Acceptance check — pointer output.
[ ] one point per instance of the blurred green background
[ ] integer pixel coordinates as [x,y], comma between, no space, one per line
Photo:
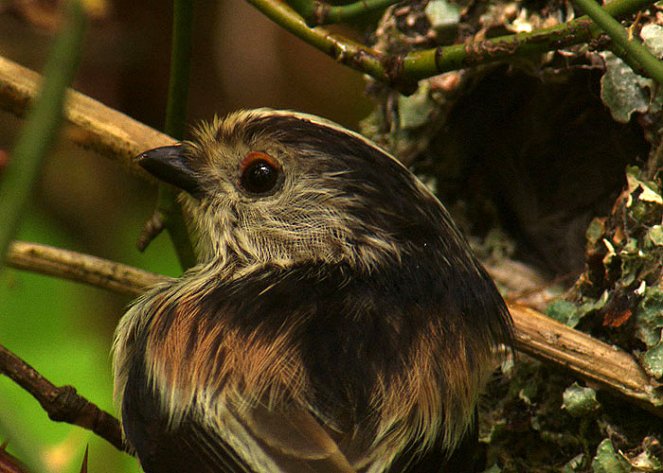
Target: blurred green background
[86,203]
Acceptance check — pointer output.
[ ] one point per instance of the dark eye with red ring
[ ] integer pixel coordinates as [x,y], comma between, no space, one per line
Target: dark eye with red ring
[259,173]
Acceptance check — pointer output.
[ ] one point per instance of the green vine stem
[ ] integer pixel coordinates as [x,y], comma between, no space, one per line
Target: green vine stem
[317,12]
[180,68]
[403,72]
[626,48]
[342,49]
[422,64]
[169,213]
[42,126]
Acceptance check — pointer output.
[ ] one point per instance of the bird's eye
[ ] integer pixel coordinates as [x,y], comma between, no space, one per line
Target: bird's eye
[259,173]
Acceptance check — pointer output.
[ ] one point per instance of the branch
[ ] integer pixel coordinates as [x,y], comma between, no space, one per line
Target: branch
[536,334]
[627,48]
[421,64]
[62,404]
[79,267]
[10,464]
[96,126]
[318,12]
[404,71]
[340,48]
[586,357]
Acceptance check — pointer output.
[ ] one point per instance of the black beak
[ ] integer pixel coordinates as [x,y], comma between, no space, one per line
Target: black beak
[171,165]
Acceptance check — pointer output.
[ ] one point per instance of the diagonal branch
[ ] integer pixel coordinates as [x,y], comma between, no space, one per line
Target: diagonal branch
[95,126]
[537,335]
[10,464]
[62,404]
[586,357]
[404,71]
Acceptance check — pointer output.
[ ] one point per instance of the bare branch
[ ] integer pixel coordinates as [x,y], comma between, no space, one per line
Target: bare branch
[96,126]
[80,267]
[62,404]
[537,335]
[10,464]
[586,357]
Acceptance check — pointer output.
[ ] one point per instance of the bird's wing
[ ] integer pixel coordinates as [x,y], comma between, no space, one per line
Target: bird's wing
[290,441]
[247,440]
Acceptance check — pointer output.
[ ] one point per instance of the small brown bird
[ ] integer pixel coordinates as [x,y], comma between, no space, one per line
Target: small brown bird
[336,321]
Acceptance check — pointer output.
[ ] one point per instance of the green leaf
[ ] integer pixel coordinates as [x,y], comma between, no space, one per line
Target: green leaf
[579,401]
[648,192]
[442,13]
[575,464]
[652,360]
[414,111]
[609,461]
[564,311]
[622,90]
[652,36]
[649,317]
[595,231]
[655,235]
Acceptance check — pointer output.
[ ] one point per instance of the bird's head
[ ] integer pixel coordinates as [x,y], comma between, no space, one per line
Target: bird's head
[285,188]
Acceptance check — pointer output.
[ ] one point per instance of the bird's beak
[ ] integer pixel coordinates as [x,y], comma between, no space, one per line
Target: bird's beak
[170,164]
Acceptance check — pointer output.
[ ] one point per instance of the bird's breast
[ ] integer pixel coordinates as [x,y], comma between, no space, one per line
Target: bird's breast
[371,360]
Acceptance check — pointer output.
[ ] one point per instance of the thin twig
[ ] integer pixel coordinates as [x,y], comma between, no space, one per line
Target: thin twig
[9,463]
[536,334]
[62,404]
[79,267]
[404,71]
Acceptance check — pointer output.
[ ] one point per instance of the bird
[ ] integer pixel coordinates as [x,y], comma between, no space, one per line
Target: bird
[336,319]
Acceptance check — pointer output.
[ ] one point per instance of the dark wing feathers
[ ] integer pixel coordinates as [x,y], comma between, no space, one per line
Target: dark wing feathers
[292,442]
[295,441]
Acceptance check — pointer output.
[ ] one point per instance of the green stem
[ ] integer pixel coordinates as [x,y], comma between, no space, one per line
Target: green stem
[178,89]
[342,49]
[317,12]
[174,222]
[180,68]
[422,64]
[402,72]
[42,125]
[651,65]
